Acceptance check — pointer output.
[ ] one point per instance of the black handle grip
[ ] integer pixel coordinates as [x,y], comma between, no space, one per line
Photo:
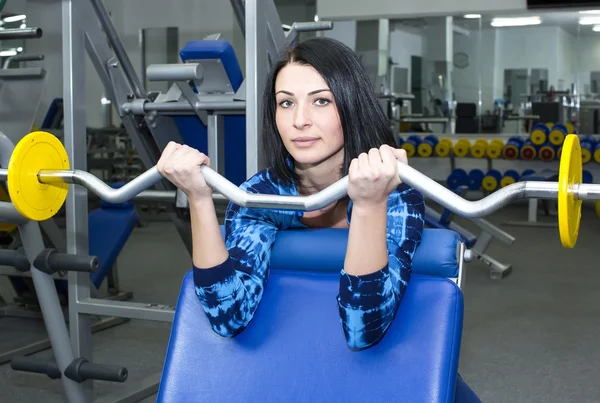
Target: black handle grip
[81,370]
[50,261]
[15,258]
[36,365]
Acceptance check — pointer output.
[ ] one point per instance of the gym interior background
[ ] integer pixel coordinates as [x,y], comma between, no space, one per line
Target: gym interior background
[481,98]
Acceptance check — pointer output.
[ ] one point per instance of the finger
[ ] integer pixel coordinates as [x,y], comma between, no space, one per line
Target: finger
[388,159]
[363,165]
[400,154]
[166,154]
[375,164]
[353,169]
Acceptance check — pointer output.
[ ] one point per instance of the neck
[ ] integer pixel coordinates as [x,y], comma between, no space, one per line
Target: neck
[316,177]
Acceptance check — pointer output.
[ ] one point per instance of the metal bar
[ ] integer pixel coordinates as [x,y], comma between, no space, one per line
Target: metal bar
[157,196]
[410,176]
[24,73]
[312,26]
[20,33]
[123,309]
[117,45]
[75,17]
[256,73]
[10,215]
[229,106]
[174,72]
[22,58]
[216,143]
[239,12]
[587,191]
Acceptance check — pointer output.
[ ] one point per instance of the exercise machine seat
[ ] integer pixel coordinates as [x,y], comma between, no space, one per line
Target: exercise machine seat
[109,229]
[328,249]
[193,132]
[294,349]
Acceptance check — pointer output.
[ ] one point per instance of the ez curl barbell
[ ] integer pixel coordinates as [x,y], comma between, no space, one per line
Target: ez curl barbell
[38,178]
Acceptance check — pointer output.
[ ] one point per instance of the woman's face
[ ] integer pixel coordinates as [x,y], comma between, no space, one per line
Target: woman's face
[307,116]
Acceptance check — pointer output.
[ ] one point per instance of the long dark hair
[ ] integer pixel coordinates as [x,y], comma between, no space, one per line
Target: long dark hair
[364,123]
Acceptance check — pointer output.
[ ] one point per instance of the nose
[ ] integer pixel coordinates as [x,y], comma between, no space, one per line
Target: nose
[301,116]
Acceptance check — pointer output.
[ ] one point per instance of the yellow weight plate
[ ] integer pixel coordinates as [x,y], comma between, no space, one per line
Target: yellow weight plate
[597,208]
[478,149]
[410,149]
[442,149]
[569,208]
[570,127]
[538,137]
[424,150]
[33,199]
[461,148]
[586,156]
[597,155]
[489,183]
[507,180]
[556,137]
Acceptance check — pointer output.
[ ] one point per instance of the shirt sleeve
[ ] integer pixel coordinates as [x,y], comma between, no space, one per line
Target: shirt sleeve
[231,292]
[368,303]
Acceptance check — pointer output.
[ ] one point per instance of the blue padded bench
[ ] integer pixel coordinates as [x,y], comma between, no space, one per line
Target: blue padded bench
[193,132]
[109,229]
[294,348]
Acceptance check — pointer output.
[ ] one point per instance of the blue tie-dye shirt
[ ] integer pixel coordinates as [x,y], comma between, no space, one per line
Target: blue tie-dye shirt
[231,291]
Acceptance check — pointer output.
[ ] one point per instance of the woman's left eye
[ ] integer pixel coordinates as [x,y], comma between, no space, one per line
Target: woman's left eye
[322,102]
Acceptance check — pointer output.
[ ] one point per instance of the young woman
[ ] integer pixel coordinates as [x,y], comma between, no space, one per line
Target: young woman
[322,121]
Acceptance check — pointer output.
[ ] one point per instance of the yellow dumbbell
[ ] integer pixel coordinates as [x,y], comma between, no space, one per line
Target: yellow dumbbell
[478,148]
[494,149]
[461,148]
[443,147]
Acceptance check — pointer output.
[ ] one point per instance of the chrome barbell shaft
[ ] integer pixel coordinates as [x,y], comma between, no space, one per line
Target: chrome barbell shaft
[427,186]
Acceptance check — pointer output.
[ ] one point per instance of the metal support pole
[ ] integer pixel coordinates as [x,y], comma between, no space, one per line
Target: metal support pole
[256,72]
[216,143]
[73,43]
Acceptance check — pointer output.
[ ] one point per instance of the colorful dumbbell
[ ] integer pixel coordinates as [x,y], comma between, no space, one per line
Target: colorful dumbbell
[458,177]
[491,180]
[512,148]
[539,134]
[426,147]
[528,151]
[494,149]
[411,144]
[443,147]
[558,134]
[461,147]
[475,178]
[510,176]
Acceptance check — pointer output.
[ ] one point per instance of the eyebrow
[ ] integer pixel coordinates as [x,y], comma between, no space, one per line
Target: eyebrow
[310,93]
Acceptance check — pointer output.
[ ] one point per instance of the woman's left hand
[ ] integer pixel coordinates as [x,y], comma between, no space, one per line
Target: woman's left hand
[373,176]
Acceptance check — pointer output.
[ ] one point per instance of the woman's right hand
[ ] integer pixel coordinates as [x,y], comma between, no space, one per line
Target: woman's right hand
[181,165]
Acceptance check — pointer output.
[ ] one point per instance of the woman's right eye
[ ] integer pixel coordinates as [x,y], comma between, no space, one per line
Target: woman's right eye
[285,104]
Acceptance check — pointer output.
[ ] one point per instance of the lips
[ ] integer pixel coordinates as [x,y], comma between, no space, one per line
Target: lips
[305,141]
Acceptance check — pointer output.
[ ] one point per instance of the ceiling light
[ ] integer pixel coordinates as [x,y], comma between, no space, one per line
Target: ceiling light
[596,28]
[516,22]
[472,16]
[590,12]
[589,21]
[15,18]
